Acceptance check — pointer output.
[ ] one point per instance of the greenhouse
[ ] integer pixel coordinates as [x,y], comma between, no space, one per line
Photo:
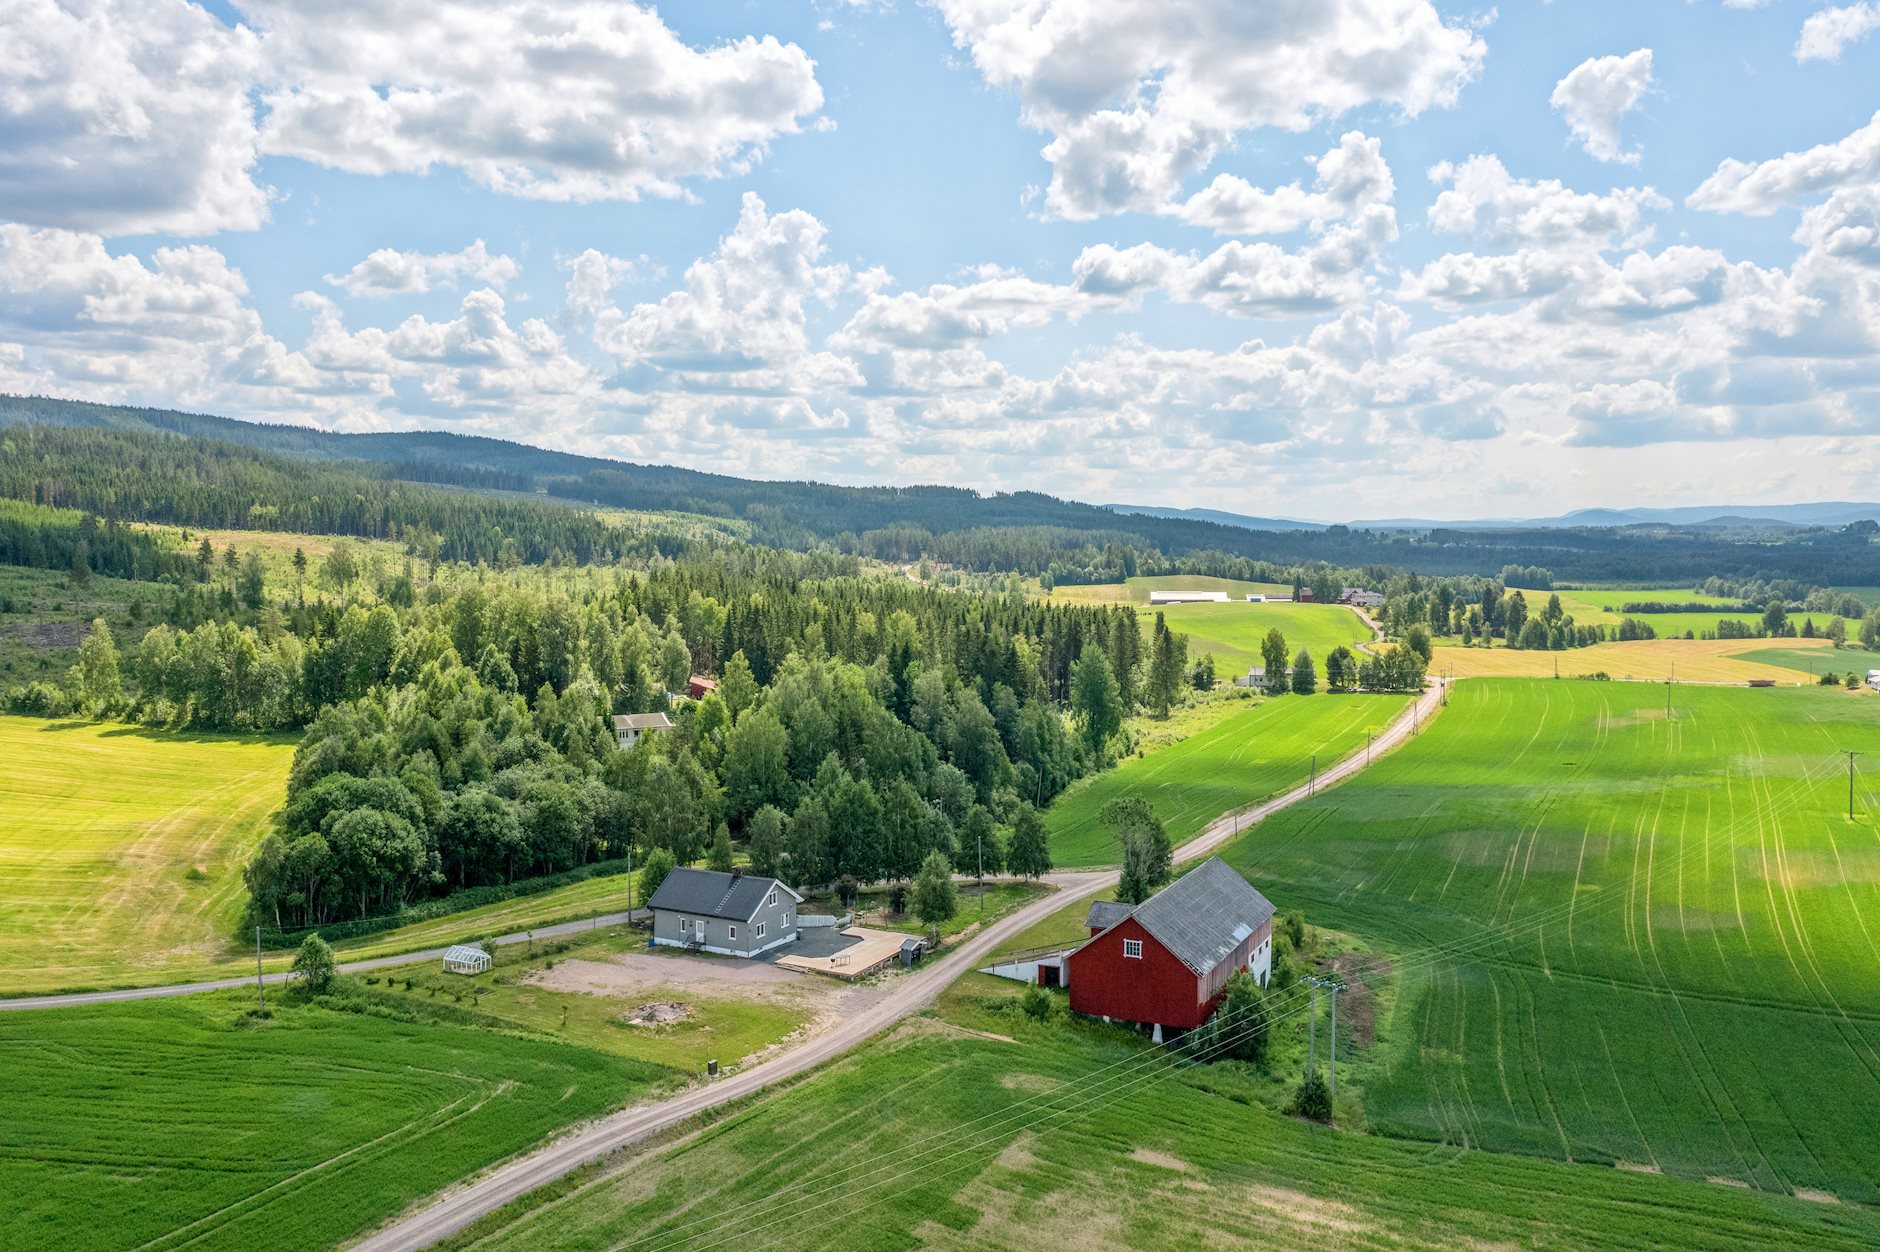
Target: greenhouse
[465,958]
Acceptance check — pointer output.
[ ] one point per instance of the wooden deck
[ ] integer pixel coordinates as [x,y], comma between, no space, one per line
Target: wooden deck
[875,949]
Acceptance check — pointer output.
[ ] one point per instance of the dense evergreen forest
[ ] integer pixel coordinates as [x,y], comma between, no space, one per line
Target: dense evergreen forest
[1025,532]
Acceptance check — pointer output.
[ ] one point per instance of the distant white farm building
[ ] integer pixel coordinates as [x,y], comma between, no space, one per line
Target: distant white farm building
[1873,679]
[465,958]
[1359,597]
[1255,677]
[628,727]
[1187,597]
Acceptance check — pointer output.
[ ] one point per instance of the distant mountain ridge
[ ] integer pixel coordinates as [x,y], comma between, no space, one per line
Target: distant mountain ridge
[1737,516]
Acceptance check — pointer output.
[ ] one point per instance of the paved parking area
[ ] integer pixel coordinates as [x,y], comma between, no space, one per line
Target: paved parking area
[860,950]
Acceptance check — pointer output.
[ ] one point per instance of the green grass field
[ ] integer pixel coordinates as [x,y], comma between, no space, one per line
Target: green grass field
[1623,937]
[178,1123]
[121,849]
[1233,632]
[977,1128]
[1601,606]
[1243,758]
[1817,661]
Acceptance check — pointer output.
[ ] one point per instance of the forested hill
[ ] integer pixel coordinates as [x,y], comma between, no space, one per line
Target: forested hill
[1027,532]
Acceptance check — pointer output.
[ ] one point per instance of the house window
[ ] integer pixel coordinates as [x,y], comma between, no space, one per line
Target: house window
[760,930]
[772,902]
[734,932]
[685,925]
[1132,948]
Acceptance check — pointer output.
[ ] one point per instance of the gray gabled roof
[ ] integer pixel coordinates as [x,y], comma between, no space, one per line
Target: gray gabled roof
[1204,915]
[1105,914]
[708,893]
[642,721]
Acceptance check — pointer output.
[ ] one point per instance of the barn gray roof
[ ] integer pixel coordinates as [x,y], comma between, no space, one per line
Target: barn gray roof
[1204,915]
[708,893]
[1105,914]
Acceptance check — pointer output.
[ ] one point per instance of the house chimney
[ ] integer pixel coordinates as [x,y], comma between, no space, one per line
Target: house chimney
[737,872]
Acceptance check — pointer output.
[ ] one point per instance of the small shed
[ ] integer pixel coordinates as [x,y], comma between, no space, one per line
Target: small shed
[912,950]
[464,958]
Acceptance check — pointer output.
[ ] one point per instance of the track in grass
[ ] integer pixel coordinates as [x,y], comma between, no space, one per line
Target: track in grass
[1671,928]
[978,1128]
[121,849]
[184,1123]
[1240,760]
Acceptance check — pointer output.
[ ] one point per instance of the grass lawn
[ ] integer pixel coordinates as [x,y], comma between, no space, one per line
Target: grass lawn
[1243,758]
[1234,632]
[177,1123]
[1622,937]
[121,849]
[976,1127]
[1689,660]
[724,1026]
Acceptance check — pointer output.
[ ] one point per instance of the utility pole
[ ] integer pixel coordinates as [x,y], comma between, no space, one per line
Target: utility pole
[1369,739]
[1850,785]
[1313,782]
[261,993]
[1332,1068]
[1312,1029]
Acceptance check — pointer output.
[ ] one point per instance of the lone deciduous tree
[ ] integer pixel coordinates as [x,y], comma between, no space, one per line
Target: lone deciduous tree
[935,901]
[313,964]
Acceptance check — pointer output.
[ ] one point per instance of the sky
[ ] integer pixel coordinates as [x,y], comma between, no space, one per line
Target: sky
[1325,259]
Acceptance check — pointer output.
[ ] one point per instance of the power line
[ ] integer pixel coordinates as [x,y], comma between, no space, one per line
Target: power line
[1167,1061]
[1150,1065]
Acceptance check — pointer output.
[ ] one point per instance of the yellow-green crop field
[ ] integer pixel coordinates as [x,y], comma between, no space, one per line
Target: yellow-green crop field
[121,849]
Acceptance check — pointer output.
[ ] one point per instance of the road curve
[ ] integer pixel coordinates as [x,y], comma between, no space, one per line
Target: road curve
[457,1208]
[73,998]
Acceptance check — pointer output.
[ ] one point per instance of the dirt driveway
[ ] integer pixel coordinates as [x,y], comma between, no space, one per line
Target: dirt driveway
[632,972]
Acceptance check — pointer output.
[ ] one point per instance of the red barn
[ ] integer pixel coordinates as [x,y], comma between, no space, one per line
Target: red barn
[1166,961]
[699,686]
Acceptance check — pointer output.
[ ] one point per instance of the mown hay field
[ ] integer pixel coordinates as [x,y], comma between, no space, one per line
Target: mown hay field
[1233,632]
[1622,936]
[122,849]
[1242,759]
[188,1123]
[976,1127]
[1650,660]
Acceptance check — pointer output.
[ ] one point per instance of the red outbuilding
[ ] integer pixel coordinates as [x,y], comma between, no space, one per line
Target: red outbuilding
[1166,962]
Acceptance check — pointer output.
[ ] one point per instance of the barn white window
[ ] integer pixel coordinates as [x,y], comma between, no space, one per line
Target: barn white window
[1132,948]
[734,932]
[760,930]
[685,925]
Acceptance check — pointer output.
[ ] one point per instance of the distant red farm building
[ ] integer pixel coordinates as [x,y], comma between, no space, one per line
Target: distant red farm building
[698,685]
[1165,963]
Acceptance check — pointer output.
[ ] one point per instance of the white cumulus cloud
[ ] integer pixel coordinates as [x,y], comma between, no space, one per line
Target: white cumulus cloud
[1595,97]
[127,118]
[1483,199]
[1760,188]
[1348,179]
[1138,96]
[1827,33]
[388,272]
